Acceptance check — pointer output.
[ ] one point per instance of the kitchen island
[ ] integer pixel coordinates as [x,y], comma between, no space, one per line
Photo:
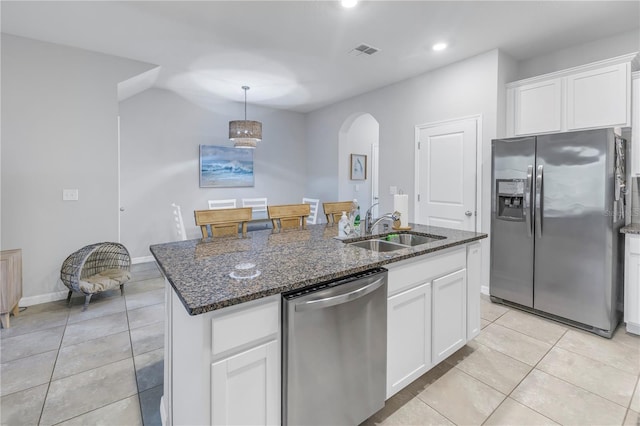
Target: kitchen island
[223,334]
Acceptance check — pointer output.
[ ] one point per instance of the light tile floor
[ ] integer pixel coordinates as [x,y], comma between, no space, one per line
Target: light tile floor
[59,365]
[104,366]
[525,370]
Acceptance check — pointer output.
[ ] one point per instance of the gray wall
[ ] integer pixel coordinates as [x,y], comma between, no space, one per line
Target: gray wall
[462,89]
[598,50]
[59,130]
[160,133]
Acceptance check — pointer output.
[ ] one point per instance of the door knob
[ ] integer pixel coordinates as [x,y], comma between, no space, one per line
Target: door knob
[468,213]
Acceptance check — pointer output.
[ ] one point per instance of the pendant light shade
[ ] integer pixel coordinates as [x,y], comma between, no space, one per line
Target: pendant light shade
[245,133]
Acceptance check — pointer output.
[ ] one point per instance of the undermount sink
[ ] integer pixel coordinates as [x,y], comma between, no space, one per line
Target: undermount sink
[378,245]
[393,242]
[411,239]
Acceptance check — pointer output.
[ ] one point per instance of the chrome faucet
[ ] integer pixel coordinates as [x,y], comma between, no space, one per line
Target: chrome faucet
[368,226]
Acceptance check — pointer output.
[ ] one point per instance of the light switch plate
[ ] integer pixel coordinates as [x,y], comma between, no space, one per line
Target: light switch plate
[393,190]
[69,195]
[357,187]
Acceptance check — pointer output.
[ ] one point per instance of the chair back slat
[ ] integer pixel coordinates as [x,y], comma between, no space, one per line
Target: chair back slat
[289,216]
[313,204]
[222,222]
[222,204]
[333,211]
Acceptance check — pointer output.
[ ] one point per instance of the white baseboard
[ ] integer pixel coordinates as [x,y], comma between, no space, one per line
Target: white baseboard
[484,289]
[143,259]
[43,298]
[633,328]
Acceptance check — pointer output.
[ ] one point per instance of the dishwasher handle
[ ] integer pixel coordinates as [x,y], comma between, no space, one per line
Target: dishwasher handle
[341,298]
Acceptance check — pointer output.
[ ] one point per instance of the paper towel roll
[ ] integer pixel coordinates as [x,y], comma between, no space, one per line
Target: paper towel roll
[401,204]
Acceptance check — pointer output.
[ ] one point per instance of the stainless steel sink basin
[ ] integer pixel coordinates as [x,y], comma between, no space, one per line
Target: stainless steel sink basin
[411,239]
[393,242]
[378,245]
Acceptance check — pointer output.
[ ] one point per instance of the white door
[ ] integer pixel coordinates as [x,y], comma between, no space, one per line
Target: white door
[245,388]
[446,174]
[408,337]
[449,313]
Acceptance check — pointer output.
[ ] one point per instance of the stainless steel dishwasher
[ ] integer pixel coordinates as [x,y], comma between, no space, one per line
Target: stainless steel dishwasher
[335,351]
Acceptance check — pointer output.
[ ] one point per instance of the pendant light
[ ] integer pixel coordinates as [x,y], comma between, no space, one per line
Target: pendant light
[245,133]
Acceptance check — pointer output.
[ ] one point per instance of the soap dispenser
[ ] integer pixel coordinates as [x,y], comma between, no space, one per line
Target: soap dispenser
[344,225]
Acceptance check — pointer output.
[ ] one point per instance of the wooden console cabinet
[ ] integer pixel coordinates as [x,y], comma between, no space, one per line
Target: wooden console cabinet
[10,283]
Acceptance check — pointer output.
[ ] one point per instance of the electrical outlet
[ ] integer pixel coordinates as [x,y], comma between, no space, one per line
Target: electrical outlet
[357,188]
[69,195]
[393,190]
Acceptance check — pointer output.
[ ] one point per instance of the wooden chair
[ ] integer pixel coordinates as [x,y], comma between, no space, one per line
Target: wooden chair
[223,222]
[289,216]
[258,205]
[222,204]
[333,211]
[314,204]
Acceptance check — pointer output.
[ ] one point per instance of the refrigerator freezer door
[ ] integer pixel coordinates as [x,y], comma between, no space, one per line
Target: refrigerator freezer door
[511,220]
[573,277]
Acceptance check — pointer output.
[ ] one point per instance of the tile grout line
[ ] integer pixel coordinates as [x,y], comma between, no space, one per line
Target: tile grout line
[597,360]
[53,369]
[133,359]
[521,380]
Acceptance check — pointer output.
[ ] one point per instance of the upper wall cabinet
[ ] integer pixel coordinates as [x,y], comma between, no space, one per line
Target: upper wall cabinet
[586,97]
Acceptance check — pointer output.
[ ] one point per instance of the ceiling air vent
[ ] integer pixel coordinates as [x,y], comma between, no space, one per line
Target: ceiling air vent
[363,48]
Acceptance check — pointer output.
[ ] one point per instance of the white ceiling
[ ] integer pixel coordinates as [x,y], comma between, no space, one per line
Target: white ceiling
[294,54]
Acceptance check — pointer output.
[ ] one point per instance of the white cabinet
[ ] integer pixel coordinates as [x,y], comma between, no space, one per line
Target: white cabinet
[599,98]
[632,283]
[449,314]
[474,273]
[635,124]
[417,312]
[590,96]
[408,337]
[538,107]
[245,387]
[222,367]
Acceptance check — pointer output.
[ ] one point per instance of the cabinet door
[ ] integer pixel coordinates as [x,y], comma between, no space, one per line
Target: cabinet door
[635,124]
[245,388]
[449,309]
[599,98]
[632,284]
[538,107]
[473,290]
[408,337]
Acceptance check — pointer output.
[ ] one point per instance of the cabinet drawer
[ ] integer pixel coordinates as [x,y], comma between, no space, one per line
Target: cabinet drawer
[410,273]
[634,244]
[242,326]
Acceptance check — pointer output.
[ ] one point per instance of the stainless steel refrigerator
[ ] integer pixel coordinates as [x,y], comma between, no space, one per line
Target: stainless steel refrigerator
[557,208]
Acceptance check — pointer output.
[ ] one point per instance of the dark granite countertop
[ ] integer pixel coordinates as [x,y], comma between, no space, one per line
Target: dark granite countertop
[634,228]
[198,270]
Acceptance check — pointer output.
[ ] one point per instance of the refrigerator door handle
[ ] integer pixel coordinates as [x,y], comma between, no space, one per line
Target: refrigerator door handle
[538,202]
[528,211]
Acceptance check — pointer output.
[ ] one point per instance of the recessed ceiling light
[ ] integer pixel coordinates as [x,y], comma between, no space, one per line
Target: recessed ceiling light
[349,3]
[439,46]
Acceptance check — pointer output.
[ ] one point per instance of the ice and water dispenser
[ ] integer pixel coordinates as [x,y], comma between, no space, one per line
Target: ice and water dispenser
[510,199]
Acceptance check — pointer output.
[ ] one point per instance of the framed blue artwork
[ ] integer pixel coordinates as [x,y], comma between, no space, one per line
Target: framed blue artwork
[224,167]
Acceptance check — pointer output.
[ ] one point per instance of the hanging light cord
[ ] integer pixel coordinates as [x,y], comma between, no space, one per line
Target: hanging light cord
[245,88]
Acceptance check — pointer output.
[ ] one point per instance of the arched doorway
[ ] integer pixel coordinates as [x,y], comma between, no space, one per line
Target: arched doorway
[360,135]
